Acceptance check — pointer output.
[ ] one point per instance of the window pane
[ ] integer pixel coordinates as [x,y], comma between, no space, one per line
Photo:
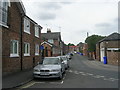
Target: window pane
[15,47]
[4,17]
[27,49]
[28,26]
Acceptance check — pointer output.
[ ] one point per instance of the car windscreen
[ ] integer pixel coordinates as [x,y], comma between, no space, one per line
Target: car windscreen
[64,58]
[51,61]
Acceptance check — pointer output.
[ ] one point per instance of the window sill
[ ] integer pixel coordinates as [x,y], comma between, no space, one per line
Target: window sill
[26,54]
[3,25]
[36,36]
[14,55]
[27,32]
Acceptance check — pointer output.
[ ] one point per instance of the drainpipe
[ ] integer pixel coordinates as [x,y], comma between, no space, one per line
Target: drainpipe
[21,35]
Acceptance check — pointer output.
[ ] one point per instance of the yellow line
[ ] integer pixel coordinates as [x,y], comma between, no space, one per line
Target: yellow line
[28,85]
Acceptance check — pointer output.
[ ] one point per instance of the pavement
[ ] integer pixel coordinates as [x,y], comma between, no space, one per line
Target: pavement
[101,65]
[17,79]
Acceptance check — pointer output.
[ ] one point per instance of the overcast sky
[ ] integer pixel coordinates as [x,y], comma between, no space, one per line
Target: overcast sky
[74,18]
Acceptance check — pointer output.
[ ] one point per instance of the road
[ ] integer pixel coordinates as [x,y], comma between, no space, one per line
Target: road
[83,73]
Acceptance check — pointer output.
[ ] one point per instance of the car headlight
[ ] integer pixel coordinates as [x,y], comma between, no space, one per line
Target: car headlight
[57,70]
[36,70]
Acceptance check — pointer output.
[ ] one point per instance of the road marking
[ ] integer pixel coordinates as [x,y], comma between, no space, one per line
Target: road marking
[96,76]
[29,85]
[57,82]
[81,72]
[89,74]
[70,71]
[76,72]
[62,82]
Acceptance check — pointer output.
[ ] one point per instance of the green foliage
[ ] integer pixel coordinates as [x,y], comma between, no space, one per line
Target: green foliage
[70,44]
[92,40]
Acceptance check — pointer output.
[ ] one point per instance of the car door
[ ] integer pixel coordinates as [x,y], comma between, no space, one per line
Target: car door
[62,65]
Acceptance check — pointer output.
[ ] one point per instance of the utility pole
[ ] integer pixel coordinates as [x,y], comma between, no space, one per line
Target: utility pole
[87,34]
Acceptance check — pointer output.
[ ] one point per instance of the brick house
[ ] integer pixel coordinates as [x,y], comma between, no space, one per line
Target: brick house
[64,48]
[31,41]
[49,49]
[54,38]
[109,47]
[73,48]
[18,46]
[80,47]
[85,49]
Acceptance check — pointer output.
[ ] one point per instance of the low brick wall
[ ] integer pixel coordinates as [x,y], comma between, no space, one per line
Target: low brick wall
[113,58]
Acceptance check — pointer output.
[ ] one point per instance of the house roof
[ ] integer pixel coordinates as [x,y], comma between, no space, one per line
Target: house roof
[21,6]
[52,45]
[111,37]
[50,35]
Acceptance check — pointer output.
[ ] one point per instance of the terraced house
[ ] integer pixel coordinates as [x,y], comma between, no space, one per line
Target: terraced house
[21,38]
[52,43]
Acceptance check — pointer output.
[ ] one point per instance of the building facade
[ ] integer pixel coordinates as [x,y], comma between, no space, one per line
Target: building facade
[20,46]
[109,47]
[53,38]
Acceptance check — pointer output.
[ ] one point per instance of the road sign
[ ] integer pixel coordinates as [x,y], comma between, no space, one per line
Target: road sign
[41,47]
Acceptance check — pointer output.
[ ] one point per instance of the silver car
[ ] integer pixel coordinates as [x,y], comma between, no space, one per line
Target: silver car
[52,67]
[66,61]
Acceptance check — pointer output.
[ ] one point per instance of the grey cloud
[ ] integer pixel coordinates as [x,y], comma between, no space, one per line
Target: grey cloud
[51,5]
[103,25]
[47,16]
[106,28]
[65,2]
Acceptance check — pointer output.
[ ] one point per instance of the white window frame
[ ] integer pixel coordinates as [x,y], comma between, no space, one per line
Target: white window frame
[36,31]
[13,54]
[51,41]
[26,25]
[25,47]
[37,49]
[4,12]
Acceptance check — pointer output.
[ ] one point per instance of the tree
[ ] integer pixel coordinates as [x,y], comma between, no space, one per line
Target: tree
[92,40]
[70,44]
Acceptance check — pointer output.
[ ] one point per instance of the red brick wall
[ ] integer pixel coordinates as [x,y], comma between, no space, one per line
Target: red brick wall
[49,49]
[113,58]
[11,64]
[97,52]
[85,50]
[56,43]
[30,38]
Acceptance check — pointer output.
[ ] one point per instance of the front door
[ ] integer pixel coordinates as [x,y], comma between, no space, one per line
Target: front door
[102,54]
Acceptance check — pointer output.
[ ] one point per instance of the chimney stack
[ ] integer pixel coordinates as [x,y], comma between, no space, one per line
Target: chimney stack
[48,30]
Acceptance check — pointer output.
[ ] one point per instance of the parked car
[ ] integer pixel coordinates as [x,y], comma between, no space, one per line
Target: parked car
[68,56]
[66,61]
[51,67]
